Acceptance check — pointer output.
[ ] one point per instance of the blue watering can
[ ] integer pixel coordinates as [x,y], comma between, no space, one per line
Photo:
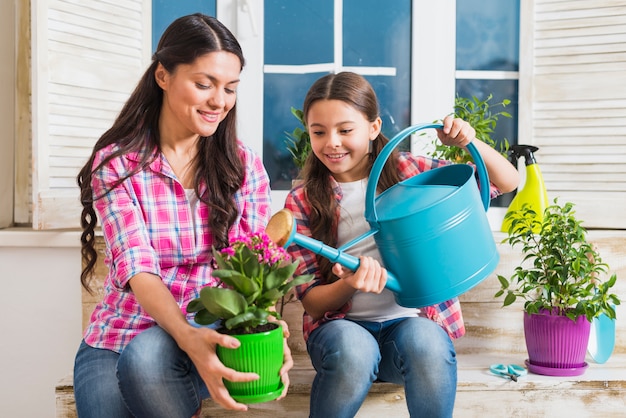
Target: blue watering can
[431,229]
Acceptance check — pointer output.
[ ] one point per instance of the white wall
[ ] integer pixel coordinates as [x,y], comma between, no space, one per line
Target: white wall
[40,318]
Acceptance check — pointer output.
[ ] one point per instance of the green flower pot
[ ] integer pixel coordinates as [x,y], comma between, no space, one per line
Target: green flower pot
[260,353]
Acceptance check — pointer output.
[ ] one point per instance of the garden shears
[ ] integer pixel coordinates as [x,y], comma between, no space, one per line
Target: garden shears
[512,371]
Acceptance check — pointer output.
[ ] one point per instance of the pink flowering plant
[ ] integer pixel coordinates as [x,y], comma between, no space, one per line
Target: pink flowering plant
[256,273]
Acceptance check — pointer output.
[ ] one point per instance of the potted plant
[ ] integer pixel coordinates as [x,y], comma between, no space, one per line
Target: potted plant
[255,274]
[559,279]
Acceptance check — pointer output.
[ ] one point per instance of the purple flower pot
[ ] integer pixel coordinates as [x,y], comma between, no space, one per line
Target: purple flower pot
[556,345]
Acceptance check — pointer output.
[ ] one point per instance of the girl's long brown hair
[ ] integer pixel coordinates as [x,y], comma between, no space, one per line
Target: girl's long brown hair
[357,92]
[136,130]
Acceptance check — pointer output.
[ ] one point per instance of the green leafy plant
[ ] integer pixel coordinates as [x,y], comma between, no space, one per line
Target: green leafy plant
[479,114]
[561,270]
[298,141]
[256,273]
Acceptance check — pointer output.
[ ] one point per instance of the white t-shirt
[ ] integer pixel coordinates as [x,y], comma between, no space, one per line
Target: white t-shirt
[352,224]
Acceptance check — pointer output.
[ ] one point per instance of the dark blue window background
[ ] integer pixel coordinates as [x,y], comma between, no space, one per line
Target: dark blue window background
[298,32]
[487,35]
[487,39]
[166,11]
[302,32]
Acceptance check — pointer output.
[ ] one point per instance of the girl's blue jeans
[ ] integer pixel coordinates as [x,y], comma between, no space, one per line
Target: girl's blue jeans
[349,356]
[152,377]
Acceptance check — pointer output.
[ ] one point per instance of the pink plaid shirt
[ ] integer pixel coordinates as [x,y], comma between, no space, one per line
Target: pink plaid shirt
[148,226]
[447,314]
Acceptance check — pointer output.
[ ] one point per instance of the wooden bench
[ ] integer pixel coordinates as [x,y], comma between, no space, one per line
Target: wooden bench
[494,335]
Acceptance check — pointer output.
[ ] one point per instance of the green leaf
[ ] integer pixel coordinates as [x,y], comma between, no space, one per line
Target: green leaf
[297,281]
[195,305]
[237,281]
[251,267]
[219,259]
[203,317]
[223,303]
[509,298]
[248,319]
[279,276]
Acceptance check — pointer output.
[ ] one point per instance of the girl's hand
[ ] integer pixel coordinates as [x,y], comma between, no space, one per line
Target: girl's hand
[287,365]
[287,359]
[369,277]
[456,132]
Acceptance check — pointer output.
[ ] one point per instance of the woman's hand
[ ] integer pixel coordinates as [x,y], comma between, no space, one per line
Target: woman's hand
[456,132]
[201,345]
[369,277]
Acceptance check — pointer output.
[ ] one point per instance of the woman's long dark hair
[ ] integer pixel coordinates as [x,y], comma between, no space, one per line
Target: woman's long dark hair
[136,130]
[356,91]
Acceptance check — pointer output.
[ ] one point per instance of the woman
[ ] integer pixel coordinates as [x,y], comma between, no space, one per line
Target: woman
[168,181]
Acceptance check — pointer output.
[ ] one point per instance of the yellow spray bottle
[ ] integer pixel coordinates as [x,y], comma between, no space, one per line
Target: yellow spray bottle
[534,191]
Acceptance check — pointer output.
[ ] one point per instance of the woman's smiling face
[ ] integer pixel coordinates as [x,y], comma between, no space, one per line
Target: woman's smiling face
[198,96]
[340,138]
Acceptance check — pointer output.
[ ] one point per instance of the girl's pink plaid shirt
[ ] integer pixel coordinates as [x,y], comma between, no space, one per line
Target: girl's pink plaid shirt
[148,226]
[447,314]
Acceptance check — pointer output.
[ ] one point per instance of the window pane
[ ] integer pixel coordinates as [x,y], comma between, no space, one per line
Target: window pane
[282,91]
[394,101]
[377,36]
[487,35]
[298,32]
[165,12]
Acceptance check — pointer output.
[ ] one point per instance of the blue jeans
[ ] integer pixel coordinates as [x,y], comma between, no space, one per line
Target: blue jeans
[152,378]
[349,356]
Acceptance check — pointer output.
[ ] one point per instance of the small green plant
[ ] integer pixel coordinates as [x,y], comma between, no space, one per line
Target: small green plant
[257,274]
[298,141]
[479,114]
[560,269]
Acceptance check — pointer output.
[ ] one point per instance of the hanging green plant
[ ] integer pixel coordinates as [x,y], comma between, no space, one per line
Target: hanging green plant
[298,141]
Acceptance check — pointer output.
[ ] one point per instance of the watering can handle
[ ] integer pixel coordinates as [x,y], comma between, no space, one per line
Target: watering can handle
[377,168]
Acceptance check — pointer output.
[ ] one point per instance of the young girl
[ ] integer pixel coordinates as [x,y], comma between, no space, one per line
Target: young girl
[167,181]
[355,331]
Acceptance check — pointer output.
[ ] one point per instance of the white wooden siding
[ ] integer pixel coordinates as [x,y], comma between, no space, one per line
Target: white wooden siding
[575,89]
[87,58]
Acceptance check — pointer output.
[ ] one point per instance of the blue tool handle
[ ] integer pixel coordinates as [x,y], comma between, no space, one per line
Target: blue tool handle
[336,256]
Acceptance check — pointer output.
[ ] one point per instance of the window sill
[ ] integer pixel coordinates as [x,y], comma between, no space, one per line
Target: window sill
[27,237]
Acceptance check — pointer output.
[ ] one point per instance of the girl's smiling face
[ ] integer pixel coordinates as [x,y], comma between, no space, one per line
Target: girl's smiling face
[340,138]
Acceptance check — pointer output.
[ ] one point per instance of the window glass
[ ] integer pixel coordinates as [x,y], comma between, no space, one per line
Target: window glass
[487,35]
[298,32]
[377,36]
[166,11]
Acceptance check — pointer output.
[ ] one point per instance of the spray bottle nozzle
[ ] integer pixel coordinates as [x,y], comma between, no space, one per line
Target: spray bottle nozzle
[526,151]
